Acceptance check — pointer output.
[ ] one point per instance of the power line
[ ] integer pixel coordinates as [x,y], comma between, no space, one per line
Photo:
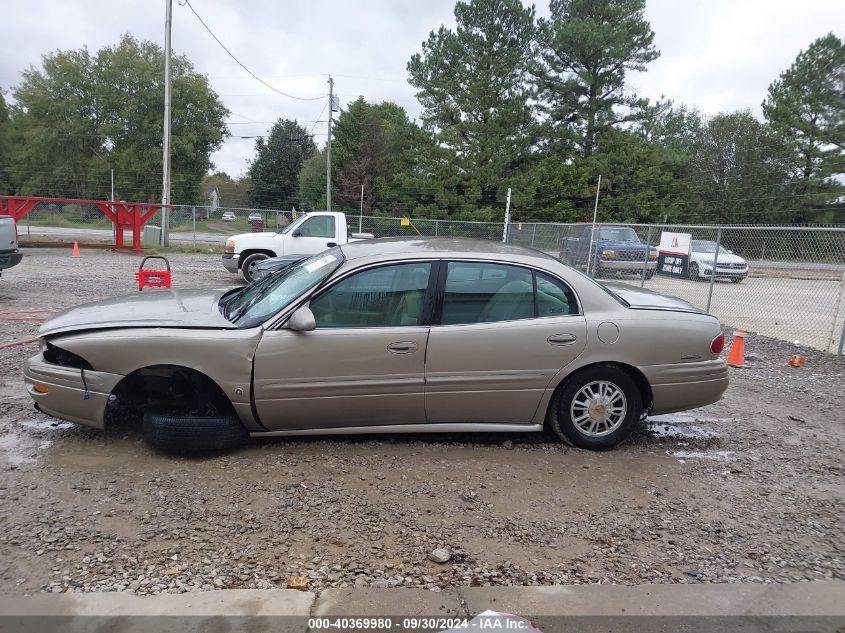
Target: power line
[238,62]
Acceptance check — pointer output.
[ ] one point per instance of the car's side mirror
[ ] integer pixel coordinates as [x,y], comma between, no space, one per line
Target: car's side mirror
[297,233]
[302,320]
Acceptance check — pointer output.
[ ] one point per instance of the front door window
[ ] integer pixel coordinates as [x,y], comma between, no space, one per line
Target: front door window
[388,296]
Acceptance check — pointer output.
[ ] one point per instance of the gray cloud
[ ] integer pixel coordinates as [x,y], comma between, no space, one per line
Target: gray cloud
[716,55]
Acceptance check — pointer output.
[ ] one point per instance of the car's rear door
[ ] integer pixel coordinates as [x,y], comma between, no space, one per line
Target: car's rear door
[363,365]
[502,334]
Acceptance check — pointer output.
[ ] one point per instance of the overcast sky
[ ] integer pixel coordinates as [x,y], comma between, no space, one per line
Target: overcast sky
[716,54]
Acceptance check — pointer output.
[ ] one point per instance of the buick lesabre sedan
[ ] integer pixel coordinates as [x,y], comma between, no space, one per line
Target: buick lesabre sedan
[392,335]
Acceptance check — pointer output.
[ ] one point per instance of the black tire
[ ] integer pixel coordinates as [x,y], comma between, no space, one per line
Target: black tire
[184,434]
[693,272]
[248,263]
[736,280]
[560,418]
[649,274]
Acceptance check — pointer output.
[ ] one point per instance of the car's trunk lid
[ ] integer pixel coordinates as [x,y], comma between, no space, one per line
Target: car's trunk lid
[642,299]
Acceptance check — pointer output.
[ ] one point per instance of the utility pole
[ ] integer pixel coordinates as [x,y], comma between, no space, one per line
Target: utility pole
[507,217]
[329,148]
[165,160]
[593,230]
[361,216]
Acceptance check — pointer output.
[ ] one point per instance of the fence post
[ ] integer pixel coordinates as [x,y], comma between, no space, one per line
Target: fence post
[195,226]
[507,217]
[836,314]
[645,259]
[436,225]
[713,272]
[533,234]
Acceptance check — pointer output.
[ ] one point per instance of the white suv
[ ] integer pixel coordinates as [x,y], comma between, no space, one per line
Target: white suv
[729,266]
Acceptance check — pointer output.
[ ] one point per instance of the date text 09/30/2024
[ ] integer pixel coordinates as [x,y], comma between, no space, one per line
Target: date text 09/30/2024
[487,621]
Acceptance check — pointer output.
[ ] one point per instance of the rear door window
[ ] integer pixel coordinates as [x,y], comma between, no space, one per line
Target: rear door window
[481,292]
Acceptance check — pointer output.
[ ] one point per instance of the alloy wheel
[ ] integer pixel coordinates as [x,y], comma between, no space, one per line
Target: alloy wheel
[598,408]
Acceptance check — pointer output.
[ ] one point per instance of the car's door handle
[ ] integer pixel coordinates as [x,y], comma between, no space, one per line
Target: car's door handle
[562,339]
[402,347]
[331,244]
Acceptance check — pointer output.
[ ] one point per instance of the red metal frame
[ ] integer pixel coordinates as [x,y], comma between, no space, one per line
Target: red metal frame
[124,215]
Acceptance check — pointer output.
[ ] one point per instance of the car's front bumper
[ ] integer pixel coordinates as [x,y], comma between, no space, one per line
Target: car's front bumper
[66,395]
[230,262]
[9,259]
[617,264]
[725,273]
[683,386]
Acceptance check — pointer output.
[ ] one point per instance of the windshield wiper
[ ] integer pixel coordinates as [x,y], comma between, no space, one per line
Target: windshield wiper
[259,295]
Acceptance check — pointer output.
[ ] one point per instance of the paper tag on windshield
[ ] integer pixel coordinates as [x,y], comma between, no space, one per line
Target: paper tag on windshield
[319,263]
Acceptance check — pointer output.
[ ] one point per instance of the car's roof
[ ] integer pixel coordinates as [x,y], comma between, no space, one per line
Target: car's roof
[388,248]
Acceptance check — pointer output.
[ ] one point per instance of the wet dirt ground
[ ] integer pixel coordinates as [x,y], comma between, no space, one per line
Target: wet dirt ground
[750,489]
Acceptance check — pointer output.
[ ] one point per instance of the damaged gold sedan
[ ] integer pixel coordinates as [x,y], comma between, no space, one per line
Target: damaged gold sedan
[395,335]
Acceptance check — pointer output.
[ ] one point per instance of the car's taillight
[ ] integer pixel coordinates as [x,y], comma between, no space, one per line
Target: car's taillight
[718,343]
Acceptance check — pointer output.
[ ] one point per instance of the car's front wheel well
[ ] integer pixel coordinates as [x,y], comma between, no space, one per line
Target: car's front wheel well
[636,375]
[253,251]
[170,389]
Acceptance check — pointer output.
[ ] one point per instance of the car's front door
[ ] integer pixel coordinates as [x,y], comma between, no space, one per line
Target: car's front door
[503,333]
[363,365]
[314,235]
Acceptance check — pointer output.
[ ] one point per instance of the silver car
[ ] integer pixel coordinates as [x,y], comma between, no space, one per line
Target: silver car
[391,335]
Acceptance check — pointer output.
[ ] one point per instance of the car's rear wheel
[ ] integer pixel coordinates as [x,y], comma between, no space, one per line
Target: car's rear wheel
[248,265]
[187,434]
[597,408]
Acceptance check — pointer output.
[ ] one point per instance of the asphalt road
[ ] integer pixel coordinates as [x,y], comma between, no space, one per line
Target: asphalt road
[39,233]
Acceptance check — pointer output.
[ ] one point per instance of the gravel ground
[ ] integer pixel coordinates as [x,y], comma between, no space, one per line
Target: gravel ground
[747,490]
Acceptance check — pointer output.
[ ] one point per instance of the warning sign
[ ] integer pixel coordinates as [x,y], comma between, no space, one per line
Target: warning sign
[675,243]
[673,254]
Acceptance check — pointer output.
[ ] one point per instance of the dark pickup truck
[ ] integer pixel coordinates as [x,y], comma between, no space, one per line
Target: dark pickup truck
[616,249]
[9,253]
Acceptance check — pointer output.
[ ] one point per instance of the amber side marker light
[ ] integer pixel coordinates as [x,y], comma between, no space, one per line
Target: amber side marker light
[40,388]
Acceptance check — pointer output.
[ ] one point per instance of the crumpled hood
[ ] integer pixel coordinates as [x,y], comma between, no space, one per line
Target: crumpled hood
[160,308]
[642,299]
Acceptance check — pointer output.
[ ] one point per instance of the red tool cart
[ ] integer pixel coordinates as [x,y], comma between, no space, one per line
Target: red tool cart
[152,277]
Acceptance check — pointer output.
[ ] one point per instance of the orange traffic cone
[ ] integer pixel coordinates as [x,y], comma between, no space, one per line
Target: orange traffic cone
[75,250]
[736,356]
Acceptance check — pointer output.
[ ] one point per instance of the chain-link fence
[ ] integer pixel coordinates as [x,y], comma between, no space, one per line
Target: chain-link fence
[49,219]
[787,282]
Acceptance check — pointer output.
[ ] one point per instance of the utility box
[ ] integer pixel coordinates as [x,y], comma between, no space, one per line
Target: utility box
[151,235]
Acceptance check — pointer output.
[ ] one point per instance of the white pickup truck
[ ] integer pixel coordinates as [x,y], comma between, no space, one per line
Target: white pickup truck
[308,235]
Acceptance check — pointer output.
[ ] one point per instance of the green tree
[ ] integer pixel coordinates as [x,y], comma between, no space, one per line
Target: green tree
[473,85]
[81,115]
[585,48]
[312,183]
[278,160]
[737,172]
[376,146]
[806,107]
[641,180]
